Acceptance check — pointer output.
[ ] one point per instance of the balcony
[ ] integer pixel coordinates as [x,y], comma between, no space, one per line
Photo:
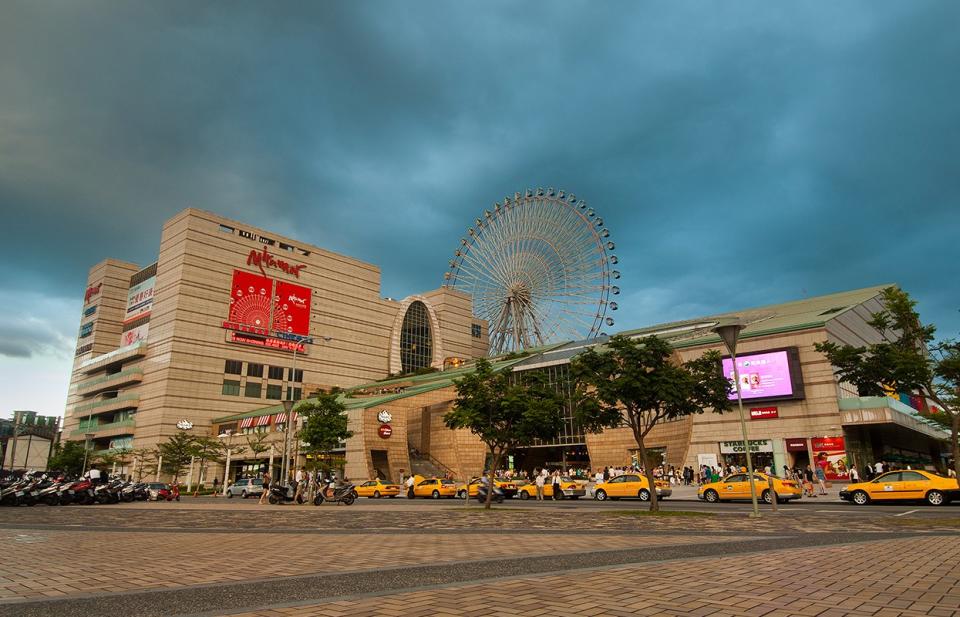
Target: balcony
[109,429]
[115,381]
[124,401]
[130,352]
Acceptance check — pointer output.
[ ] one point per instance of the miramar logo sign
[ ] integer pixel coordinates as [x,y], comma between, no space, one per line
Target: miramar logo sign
[295,299]
[264,258]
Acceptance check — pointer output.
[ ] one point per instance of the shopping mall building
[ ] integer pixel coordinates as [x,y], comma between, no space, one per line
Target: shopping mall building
[230,318]
[798,413]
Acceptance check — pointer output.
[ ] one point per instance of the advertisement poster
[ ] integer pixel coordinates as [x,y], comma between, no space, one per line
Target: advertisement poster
[140,299]
[761,375]
[250,299]
[134,335]
[291,313]
[829,453]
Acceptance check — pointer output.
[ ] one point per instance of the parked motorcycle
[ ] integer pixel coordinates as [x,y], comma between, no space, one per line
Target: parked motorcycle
[345,494]
[498,494]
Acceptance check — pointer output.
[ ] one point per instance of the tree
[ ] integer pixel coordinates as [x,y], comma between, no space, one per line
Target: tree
[204,448]
[907,360]
[176,453]
[324,425]
[505,411]
[68,458]
[145,462]
[256,445]
[639,383]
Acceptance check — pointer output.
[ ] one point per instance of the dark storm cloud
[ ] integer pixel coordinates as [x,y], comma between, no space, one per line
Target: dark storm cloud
[741,153]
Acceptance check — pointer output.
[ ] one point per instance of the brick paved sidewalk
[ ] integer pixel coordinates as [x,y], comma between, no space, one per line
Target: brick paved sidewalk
[896,578]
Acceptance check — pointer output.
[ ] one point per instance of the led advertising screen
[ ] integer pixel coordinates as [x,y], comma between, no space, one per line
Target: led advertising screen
[771,374]
[291,310]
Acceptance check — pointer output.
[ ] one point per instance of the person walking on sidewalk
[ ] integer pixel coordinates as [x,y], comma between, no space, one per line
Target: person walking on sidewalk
[821,480]
[266,488]
[808,482]
[540,481]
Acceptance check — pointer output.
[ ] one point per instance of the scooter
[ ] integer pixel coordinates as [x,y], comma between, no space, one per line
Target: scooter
[498,494]
[172,493]
[283,494]
[345,494]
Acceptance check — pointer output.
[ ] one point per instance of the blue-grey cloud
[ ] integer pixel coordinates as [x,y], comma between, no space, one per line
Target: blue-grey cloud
[741,153]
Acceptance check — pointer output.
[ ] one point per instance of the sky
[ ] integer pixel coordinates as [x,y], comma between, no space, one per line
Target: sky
[741,153]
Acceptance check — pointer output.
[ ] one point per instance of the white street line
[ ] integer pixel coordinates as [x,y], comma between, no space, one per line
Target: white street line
[833,511]
[906,513]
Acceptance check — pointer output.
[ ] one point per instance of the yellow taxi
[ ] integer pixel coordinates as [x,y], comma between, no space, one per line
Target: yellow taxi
[435,488]
[629,485]
[571,489]
[509,488]
[376,489]
[906,485]
[736,486]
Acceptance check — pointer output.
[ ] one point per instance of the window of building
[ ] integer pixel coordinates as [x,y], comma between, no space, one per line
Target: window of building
[231,387]
[285,246]
[252,389]
[90,311]
[296,394]
[251,430]
[254,370]
[226,229]
[275,372]
[298,377]
[416,340]
[233,367]
[476,330]
[86,330]
[274,391]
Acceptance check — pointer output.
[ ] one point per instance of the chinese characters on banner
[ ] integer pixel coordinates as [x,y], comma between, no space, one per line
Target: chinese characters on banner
[829,454]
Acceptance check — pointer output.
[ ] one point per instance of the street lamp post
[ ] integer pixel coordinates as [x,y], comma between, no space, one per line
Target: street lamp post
[88,438]
[728,332]
[286,464]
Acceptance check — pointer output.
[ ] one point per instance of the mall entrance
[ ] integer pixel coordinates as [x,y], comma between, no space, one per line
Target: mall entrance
[551,457]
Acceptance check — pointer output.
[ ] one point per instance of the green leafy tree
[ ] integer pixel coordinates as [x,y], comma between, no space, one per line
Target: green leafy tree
[67,457]
[505,411]
[204,449]
[144,462]
[176,453]
[640,383]
[907,360]
[324,424]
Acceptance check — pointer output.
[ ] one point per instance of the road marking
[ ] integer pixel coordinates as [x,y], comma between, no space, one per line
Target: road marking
[832,511]
[906,513]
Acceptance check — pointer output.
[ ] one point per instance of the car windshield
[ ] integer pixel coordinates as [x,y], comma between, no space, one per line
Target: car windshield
[157,485]
[447,482]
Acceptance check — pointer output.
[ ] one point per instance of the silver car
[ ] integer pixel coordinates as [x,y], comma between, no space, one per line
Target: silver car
[246,487]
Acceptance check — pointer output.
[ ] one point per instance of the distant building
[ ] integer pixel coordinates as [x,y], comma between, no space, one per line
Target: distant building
[217,326]
[27,440]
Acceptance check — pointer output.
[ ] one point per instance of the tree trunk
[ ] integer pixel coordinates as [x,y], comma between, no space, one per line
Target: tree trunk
[494,463]
[648,472]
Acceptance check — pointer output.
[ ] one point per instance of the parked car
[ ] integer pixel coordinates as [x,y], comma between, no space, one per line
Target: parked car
[246,487]
[375,489]
[736,486]
[435,488]
[907,485]
[570,487]
[155,488]
[630,485]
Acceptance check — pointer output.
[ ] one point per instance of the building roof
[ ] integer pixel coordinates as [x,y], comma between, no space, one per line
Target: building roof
[791,316]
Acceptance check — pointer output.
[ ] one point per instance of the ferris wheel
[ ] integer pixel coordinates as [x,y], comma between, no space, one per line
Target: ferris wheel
[539,267]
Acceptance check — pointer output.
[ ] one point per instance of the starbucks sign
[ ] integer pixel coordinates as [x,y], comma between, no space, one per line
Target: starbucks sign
[736,447]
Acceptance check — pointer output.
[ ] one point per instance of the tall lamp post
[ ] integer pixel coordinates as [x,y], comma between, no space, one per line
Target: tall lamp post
[292,398]
[88,438]
[729,331]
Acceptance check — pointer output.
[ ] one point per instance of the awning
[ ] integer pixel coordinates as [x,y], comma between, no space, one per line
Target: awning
[281,418]
[867,410]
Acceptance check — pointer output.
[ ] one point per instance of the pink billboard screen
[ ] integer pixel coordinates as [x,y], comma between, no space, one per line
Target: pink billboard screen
[771,374]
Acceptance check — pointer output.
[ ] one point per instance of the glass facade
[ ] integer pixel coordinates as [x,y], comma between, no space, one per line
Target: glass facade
[558,376]
[416,339]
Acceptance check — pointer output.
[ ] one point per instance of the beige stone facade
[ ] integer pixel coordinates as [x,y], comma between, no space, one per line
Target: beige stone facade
[184,341]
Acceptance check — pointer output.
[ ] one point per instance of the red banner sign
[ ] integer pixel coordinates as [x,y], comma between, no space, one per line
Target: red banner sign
[796,444]
[385,431]
[829,454]
[291,310]
[266,341]
[250,300]
[763,413]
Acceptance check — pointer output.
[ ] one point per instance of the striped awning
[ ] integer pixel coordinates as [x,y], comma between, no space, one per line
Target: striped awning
[262,420]
[246,422]
[281,418]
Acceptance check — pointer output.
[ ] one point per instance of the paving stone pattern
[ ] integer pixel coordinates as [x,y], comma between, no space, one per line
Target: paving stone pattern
[41,564]
[867,579]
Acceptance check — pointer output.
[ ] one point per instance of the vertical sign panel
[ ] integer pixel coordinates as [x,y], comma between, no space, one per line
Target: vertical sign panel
[291,312]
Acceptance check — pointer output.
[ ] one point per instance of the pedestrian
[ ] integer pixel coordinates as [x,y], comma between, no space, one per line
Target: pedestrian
[266,488]
[786,472]
[300,479]
[216,483]
[541,478]
[808,482]
[410,481]
[854,476]
[557,493]
[821,480]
